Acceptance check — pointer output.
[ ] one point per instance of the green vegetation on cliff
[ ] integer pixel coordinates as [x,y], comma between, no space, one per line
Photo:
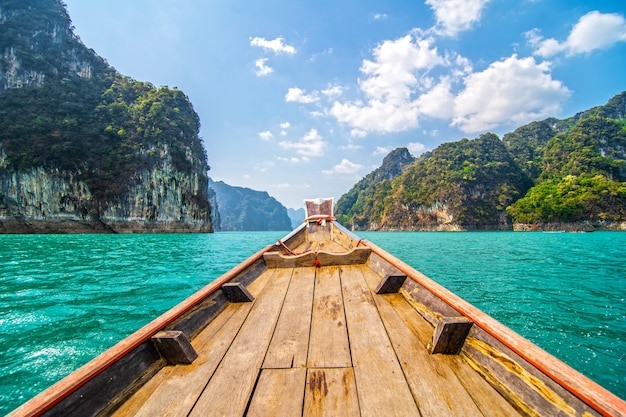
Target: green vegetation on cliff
[550,171]
[65,110]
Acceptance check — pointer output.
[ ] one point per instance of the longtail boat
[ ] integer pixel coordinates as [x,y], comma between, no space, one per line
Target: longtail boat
[324,323]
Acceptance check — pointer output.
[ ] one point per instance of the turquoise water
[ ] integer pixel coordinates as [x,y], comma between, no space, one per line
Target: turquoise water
[66,298]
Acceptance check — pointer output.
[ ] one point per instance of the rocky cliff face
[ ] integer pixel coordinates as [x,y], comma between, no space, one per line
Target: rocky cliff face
[84,149]
[159,200]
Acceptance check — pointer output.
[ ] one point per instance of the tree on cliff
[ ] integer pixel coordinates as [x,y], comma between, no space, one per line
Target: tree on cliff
[63,109]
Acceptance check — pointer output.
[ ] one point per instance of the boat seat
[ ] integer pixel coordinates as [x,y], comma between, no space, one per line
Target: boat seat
[358,255]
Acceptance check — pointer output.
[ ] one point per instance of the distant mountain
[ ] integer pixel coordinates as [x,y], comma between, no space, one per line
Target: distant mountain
[548,174]
[296,216]
[243,209]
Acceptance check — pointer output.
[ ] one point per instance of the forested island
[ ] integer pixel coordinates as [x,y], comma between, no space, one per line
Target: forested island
[548,175]
[84,148]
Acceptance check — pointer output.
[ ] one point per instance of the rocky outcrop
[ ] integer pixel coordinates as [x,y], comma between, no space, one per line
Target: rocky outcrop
[159,200]
[84,149]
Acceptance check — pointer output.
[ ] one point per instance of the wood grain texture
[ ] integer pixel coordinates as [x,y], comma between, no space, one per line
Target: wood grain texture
[330,392]
[279,393]
[372,353]
[434,386]
[328,345]
[290,343]
[229,389]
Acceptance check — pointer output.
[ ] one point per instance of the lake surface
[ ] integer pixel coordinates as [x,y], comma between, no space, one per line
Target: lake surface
[64,299]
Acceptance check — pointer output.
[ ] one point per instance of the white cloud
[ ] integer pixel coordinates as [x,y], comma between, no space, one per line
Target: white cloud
[265,166]
[285,125]
[282,185]
[593,31]
[380,16]
[455,16]
[392,75]
[358,133]
[276,46]
[438,102]
[382,150]
[298,95]
[333,91]
[262,69]
[509,91]
[311,144]
[416,148]
[267,135]
[292,160]
[399,70]
[345,167]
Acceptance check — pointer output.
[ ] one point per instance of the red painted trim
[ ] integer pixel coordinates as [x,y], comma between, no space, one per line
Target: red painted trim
[597,397]
[47,399]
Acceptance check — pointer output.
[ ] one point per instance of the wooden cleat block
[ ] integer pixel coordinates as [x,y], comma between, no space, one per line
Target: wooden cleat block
[237,293]
[390,284]
[449,335]
[174,347]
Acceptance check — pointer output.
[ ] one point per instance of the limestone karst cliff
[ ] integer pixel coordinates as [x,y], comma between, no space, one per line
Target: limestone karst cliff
[85,149]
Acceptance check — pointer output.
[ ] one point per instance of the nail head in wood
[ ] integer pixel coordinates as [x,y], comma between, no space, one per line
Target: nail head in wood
[236,292]
[390,284]
[174,347]
[450,335]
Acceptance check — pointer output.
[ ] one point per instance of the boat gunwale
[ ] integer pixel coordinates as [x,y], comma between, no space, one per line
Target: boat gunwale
[53,395]
[587,390]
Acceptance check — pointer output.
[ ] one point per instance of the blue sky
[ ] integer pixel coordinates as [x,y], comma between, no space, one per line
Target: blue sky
[303,98]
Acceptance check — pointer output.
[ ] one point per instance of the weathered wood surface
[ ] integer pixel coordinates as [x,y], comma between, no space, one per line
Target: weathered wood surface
[372,353]
[328,345]
[331,392]
[279,393]
[318,341]
[321,258]
[234,379]
[290,343]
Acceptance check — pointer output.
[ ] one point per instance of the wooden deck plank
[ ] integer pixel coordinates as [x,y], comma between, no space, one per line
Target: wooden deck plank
[229,389]
[330,392]
[373,355]
[328,344]
[279,393]
[432,378]
[175,389]
[290,343]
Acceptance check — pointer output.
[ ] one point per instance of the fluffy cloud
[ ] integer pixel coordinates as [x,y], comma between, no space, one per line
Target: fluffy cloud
[261,68]
[455,16]
[345,167]
[311,144]
[593,31]
[399,70]
[276,46]
[267,135]
[416,148]
[513,90]
[298,95]
[382,150]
